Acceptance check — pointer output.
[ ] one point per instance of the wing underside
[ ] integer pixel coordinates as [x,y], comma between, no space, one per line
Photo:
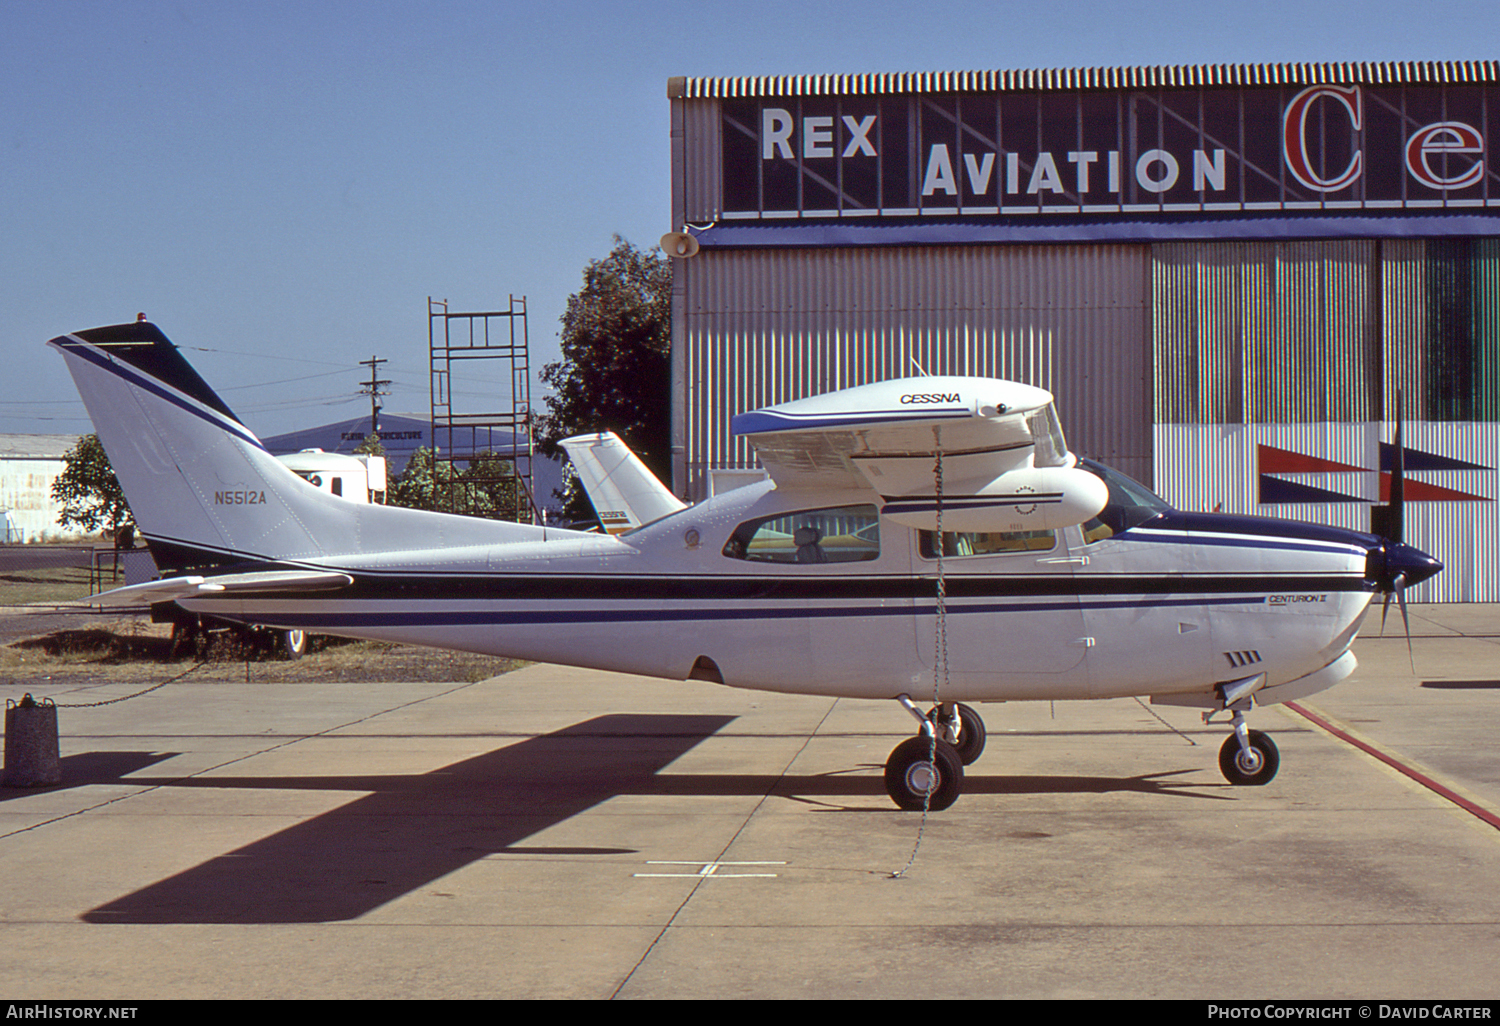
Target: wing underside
[173,589]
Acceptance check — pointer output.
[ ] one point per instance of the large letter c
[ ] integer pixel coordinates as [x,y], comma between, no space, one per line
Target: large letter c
[1294,136]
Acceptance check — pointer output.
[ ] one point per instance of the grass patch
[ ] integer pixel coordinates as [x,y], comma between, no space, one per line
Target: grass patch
[96,645]
[54,584]
[133,651]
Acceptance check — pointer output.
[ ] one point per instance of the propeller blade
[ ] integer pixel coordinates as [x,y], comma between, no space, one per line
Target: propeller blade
[1400,590]
[1398,480]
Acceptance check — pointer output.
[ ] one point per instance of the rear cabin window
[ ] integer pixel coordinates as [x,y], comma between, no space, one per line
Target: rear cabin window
[843,534]
[989,543]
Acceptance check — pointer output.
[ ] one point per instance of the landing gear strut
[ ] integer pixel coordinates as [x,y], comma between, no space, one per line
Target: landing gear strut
[928,770]
[961,727]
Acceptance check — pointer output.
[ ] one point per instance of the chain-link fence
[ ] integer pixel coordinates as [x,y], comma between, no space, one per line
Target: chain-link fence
[46,573]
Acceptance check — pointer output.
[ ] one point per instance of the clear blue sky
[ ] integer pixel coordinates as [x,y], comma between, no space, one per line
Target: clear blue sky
[285,183]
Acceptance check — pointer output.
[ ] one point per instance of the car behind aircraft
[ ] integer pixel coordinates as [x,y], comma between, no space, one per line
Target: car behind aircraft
[923,539]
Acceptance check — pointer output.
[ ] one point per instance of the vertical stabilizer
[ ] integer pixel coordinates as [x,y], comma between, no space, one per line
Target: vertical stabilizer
[203,489]
[624,493]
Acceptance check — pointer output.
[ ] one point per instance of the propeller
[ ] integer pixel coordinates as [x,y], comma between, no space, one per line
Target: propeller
[1399,565]
[1397,526]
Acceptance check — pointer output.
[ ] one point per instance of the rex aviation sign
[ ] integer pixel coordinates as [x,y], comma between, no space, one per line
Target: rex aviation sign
[1112,157]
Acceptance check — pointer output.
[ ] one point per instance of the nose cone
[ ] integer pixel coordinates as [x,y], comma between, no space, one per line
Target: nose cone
[1395,561]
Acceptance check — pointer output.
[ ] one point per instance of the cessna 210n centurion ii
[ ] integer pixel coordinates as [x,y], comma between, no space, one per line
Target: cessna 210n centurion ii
[925,538]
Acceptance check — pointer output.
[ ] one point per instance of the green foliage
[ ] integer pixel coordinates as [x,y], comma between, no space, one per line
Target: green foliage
[615,374]
[370,446]
[90,495]
[485,488]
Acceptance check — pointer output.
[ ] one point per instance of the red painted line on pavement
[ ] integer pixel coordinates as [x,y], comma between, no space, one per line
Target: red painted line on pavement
[1400,767]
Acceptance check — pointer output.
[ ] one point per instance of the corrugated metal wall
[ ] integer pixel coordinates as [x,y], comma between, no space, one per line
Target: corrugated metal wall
[1237,324]
[1307,332]
[767,326]
[1303,347]
[696,149]
[1139,77]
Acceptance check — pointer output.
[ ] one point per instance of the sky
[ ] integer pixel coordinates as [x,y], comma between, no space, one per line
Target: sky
[281,186]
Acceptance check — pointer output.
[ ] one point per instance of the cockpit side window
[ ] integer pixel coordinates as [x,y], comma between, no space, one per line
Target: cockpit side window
[842,534]
[989,543]
[1130,504]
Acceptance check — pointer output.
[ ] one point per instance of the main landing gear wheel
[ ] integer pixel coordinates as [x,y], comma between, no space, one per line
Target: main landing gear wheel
[294,644]
[1257,765]
[971,733]
[919,768]
[186,639]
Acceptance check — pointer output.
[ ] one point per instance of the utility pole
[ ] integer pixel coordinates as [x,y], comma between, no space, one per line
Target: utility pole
[373,390]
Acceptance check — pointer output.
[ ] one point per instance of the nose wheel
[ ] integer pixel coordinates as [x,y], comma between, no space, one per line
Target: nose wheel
[1248,757]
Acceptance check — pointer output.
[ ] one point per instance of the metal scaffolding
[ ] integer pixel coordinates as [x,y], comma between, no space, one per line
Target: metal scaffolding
[481,435]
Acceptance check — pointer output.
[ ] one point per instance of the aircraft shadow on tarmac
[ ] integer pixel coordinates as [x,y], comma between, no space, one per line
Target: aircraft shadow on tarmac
[96,768]
[405,831]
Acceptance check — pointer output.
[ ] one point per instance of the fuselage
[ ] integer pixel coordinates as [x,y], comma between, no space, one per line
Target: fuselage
[1143,600]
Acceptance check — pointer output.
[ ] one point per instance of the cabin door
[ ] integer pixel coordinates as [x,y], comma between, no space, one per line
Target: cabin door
[1013,622]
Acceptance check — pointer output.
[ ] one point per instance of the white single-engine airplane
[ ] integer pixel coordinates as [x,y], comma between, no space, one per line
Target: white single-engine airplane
[930,537]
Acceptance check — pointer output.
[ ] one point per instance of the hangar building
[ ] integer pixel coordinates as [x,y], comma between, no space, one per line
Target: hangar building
[1226,274]
[29,466]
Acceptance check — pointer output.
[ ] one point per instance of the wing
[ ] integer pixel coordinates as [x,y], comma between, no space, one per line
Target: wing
[172,589]
[1006,466]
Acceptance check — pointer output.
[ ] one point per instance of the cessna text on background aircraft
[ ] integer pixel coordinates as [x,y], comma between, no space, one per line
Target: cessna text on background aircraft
[1060,579]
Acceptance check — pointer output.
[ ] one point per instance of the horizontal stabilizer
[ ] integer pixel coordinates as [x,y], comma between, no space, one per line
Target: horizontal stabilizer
[173,589]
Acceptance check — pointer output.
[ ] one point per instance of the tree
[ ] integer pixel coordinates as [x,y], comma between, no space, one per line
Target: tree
[90,494]
[485,488]
[615,374]
[370,446]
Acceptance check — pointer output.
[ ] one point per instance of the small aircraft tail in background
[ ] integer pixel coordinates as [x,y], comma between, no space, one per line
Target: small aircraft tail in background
[625,494]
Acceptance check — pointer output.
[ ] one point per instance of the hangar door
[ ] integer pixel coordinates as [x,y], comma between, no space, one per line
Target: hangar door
[756,327]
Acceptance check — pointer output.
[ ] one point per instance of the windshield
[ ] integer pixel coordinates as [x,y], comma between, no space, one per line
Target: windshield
[1047,434]
[1130,504]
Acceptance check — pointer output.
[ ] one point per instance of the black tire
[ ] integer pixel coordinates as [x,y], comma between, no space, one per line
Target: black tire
[186,640]
[911,762]
[971,734]
[1268,757]
[294,644]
